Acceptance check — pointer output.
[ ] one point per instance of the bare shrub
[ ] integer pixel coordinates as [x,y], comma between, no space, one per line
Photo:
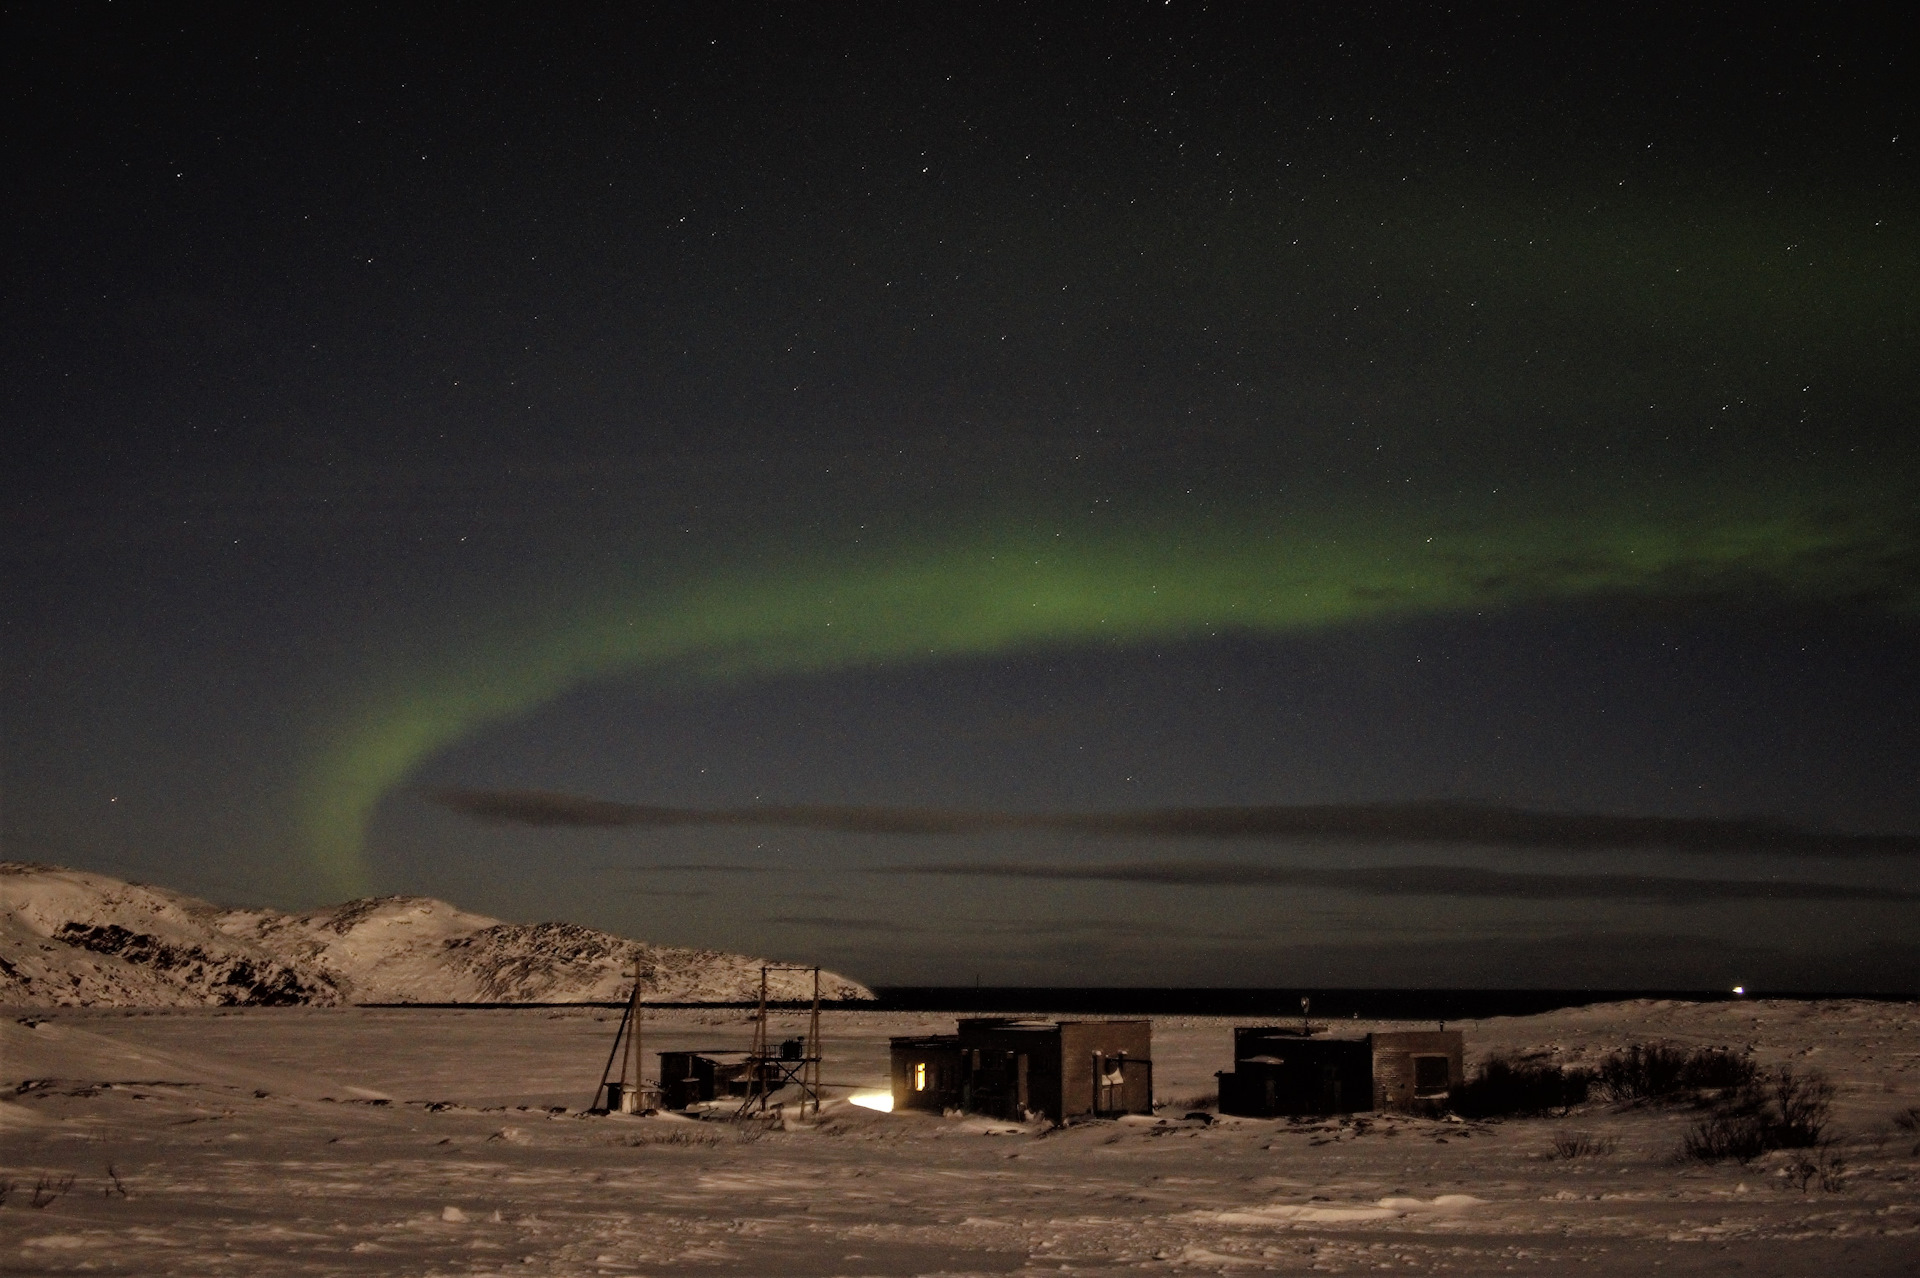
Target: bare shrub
[1801,1106]
[1908,1121]
[114,1184]
[1724,1134]
[1583,1145]
[1657,1071]
[679,1139]
[1823,1164]
[1785,1111]
[48,1189]
[1508,1087]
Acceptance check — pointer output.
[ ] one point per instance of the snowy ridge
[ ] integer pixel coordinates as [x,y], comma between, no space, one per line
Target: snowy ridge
[73,938]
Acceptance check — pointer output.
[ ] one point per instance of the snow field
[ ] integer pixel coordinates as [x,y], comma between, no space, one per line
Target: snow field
[364,1141]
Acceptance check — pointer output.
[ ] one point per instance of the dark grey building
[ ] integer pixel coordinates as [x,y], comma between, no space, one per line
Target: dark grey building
[1010,1068]
[1281,1070]
[688,1078]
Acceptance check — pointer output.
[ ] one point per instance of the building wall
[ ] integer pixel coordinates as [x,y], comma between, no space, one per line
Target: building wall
[946,1073]
[686,1078]
[1010,1068]
[1083,1044]
[1000,1054]
[1297,1075]
[1395,1058]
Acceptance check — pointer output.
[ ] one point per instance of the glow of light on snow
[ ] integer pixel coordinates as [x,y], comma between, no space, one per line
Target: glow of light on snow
[882,1101]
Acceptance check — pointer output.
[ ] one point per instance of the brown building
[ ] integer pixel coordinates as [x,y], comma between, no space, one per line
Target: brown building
[1281,1070]
[1010,1068]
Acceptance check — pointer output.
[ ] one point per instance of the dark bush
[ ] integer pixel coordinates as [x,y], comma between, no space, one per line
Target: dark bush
[1656,1071]
[1785,1111]
[1729,1132]
[1503,1087]
[1908,1121]
[1584,1145]
[1801,1104]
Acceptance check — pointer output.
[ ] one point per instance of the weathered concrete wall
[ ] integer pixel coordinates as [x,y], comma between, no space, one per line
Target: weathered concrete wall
[1395,1065]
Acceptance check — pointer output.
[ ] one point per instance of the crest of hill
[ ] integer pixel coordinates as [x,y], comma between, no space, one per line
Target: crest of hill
[74,938]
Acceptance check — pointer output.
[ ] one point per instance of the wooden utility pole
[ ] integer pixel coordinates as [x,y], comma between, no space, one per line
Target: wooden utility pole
[629,1094]
[638,1091]
[810,1077]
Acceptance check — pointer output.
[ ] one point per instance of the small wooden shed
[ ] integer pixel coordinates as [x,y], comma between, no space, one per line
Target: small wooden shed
[1011,1068]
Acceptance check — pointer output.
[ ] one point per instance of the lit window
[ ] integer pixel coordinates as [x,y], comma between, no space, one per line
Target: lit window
[920,1078]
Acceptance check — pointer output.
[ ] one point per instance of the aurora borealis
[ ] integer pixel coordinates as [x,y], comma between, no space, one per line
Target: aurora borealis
[1008,592]
[1093,412]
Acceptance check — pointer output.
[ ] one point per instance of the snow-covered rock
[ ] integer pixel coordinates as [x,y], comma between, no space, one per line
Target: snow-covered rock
[73,938]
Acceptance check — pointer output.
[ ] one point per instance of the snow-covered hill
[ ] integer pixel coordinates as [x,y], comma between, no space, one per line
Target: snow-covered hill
[71,938]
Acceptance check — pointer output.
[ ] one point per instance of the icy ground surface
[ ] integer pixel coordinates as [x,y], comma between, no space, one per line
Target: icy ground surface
[417,1141]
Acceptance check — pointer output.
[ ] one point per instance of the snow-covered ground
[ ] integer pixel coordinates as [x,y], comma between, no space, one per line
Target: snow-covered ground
[307,1140]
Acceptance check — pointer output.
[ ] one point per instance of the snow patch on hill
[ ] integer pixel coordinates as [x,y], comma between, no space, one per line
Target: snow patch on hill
[73,938]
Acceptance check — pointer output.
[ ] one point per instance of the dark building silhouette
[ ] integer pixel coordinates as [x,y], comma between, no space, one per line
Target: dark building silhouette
[1012,1068]
[687,1078]
[1284,1070]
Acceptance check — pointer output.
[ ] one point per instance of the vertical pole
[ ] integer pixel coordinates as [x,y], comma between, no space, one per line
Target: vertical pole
[613,1054]
[813,1047]
[633,1042]
[757,1085]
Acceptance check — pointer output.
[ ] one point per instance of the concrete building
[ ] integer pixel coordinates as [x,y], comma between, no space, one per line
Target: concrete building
[1011,1068]
[1284,1070]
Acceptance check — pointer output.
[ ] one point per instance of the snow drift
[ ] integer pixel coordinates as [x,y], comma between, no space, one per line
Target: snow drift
[72,938]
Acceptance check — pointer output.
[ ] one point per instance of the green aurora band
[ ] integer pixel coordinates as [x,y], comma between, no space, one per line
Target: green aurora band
[1015,584]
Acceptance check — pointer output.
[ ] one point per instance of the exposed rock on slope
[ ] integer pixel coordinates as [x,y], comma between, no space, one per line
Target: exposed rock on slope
[71,938]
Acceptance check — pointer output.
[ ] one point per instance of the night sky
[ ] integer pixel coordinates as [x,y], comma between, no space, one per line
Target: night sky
[437,440]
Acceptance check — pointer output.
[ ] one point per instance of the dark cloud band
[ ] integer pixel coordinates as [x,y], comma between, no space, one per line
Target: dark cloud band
[1453,823]
[1424,880]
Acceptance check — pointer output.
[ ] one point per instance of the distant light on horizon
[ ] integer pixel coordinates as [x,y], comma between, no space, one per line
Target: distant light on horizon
[1740,990]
